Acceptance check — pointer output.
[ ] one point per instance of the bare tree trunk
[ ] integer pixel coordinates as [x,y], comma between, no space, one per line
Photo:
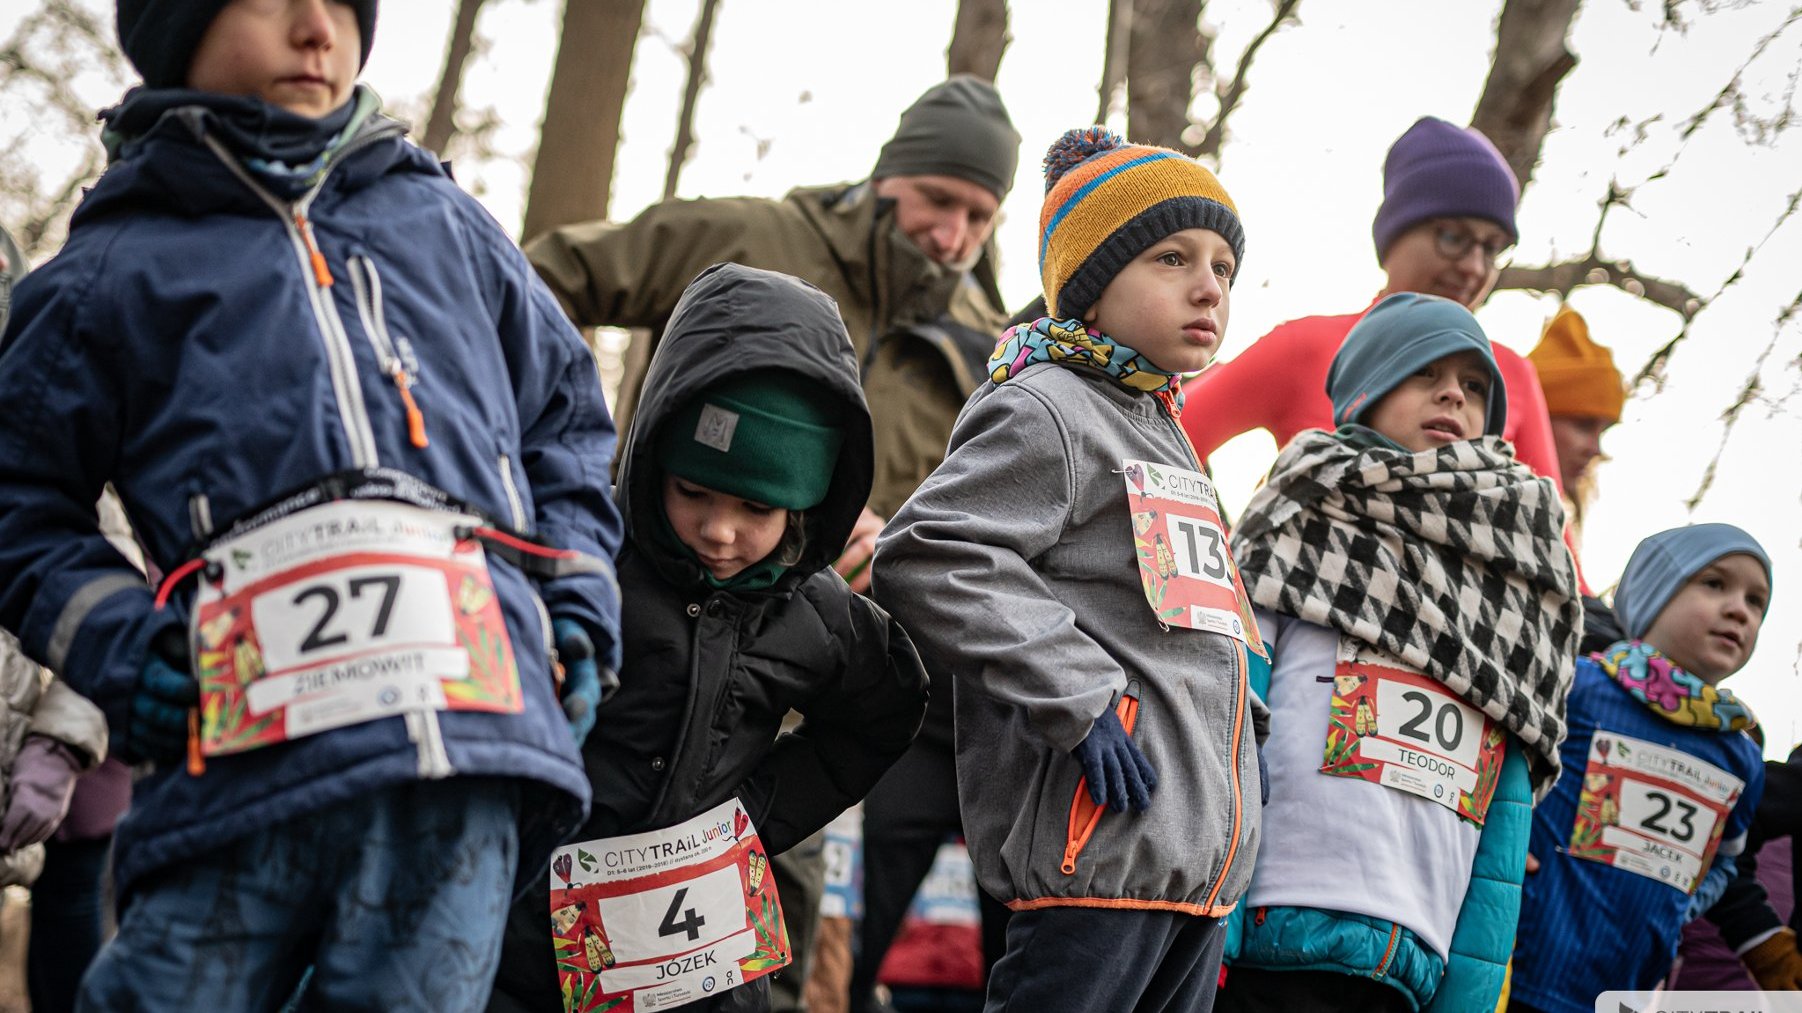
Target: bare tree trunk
[1113,59]
[1165,45]
[441,125]
[573,172]
[1515,110]
[691,96]
[979,38]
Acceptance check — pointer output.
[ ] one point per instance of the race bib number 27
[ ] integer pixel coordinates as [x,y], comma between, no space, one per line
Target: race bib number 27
[344,613]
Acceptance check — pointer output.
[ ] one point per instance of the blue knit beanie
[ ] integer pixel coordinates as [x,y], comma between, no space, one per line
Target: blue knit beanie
[1439,170]
[1664,561]
[159,37]
[1399,335]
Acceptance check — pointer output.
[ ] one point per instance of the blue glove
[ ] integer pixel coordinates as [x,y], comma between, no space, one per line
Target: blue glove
[1118,773]
[581,676]
[156,726]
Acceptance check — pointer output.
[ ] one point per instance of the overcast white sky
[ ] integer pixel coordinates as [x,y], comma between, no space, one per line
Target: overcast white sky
[805,91]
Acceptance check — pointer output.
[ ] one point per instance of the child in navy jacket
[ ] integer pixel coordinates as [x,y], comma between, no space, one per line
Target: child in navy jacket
[1660,778]
[358,437]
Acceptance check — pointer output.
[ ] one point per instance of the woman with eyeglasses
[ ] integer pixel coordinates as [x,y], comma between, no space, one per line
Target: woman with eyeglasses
[1445,226]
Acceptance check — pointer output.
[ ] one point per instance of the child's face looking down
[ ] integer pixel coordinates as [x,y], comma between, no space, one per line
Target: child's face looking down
[1171,302]
[1710,626]
[301,55]
[1443,402]
[726,533]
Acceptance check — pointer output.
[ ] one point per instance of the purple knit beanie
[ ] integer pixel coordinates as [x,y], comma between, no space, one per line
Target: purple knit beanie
[1440,170]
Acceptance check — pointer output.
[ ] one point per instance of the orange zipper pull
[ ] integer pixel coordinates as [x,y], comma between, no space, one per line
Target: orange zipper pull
[415,417]
[196,760]
[321,273]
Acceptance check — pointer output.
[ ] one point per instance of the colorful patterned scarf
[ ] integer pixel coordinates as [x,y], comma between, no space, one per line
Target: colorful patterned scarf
[1672,693]
[1070,343]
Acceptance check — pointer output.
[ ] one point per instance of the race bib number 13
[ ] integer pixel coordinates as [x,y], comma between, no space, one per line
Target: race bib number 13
[1651,810]
[1184,564]
[1404,730]
[344,613]
[660,919]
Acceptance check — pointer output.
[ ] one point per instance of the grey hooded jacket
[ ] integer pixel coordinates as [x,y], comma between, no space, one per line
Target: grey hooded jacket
[1014,566]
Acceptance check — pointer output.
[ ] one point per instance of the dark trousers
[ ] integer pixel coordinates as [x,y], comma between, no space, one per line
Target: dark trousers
[800,874]
[68,921]
[1257,990]
[1081,960]
[906,817]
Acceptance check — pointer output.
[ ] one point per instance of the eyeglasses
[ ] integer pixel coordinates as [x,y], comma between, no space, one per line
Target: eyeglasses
[1454,243]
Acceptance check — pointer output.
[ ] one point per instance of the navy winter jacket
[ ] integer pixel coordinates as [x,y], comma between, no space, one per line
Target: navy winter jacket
[205,347]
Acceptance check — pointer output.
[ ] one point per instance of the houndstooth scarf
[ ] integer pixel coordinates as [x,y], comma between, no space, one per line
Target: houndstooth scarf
[1450,559]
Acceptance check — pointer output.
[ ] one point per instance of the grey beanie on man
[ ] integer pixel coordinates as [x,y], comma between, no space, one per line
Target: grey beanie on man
[958,128]
[159,37]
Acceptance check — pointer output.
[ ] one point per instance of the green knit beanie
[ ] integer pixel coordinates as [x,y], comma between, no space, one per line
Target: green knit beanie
[768,436]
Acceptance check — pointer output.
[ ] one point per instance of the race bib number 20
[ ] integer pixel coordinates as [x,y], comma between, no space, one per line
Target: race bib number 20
[1404,730]
[344,613]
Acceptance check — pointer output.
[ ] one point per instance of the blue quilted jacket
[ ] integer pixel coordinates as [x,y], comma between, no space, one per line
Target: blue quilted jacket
[205,347]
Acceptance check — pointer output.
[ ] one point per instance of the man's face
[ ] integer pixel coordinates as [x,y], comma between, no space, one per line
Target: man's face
[1450,257]
[300,55]
[948,218]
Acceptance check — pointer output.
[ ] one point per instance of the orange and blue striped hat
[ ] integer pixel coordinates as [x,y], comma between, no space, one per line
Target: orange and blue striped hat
[1106,201]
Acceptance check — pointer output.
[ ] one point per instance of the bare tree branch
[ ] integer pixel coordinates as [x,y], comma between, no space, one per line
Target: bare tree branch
[442,124]
[978,39]
[1235,91]
[691,96]
[1596,270]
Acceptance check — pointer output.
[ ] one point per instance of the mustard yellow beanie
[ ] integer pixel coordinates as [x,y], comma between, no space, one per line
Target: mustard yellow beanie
[1577,374]
[1106,201]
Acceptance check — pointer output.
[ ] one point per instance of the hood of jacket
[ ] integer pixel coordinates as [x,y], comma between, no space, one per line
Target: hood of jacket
[731,319]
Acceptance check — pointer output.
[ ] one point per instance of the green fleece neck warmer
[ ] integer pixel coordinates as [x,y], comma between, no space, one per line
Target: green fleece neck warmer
[768,436]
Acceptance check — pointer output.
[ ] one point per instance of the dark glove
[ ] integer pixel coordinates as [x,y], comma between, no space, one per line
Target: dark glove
[1118,773]
[43,780]
[582,680]
[1263,778]
[1775,963]
[156,726]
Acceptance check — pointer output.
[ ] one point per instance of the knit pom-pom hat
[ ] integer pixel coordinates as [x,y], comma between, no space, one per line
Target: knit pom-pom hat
[1107,200]
[1577,375]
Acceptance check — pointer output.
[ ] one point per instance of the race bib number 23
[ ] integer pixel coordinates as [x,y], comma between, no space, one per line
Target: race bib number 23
[1651,810]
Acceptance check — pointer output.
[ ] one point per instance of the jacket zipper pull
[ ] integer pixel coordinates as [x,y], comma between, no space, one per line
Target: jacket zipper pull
[415,417]
[321,273]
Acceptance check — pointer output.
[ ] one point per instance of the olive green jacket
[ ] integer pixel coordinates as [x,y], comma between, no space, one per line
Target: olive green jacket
[895,301]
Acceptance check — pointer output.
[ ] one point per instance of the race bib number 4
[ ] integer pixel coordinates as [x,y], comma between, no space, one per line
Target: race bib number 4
[1405,730]
[1651,810]
[1184,563]
[343,613]
[656,920]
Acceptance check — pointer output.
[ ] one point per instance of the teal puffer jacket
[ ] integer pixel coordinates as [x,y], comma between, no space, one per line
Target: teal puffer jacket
[1309,939]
